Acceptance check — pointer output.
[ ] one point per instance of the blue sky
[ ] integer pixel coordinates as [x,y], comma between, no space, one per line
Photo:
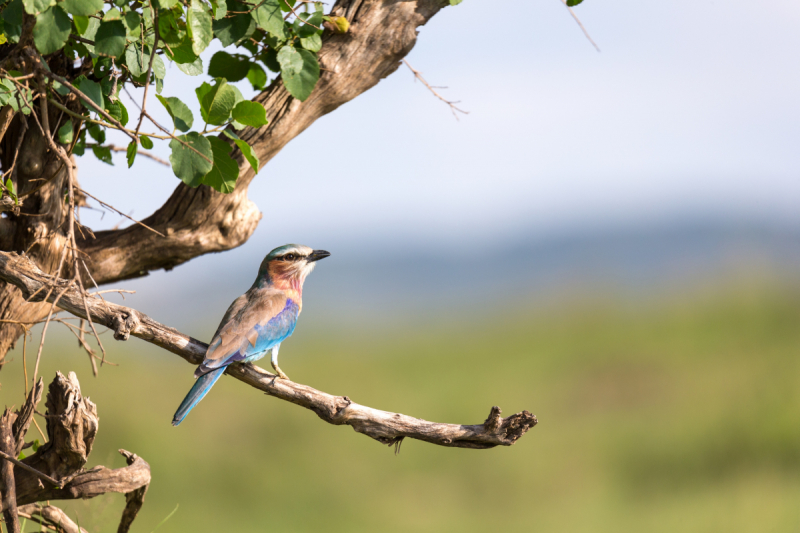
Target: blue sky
[691,108]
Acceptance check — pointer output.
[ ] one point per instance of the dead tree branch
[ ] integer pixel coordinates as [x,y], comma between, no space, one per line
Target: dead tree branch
[51,517]
[72,424]
[385,427]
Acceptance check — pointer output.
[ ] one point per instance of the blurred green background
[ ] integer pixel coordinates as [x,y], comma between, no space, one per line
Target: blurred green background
[677,411]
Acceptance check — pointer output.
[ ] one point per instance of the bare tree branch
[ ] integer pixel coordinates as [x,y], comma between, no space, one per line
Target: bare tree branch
[51,517]
[72,424]
[385,427]
[453,107]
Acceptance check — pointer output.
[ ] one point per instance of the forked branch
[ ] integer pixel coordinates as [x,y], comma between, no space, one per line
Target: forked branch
[385,427]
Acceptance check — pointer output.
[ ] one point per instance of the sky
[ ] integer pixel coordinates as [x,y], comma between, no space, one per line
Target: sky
[690,107]
[690,111]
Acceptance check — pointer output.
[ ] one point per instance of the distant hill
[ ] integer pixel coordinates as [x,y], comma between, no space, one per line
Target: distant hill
[634,261]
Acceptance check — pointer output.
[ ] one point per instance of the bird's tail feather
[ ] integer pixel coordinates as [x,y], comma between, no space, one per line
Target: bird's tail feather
[197,393]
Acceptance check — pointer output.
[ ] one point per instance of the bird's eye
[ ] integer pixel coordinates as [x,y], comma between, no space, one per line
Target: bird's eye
[289,257]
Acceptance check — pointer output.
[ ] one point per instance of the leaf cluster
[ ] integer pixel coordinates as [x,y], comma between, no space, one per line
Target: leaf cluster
[130,42]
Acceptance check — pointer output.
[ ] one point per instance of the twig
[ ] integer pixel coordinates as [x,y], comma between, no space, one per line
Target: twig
[32,470]
[149,70]
[452,105]
[102,112]
[586,33]
[298,16]
[101,202]
[115,148]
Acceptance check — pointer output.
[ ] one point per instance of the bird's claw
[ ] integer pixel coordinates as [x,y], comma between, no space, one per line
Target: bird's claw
[280,372]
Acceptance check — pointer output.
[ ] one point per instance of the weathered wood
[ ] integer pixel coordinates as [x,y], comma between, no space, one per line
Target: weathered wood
[134,499]
[385,427]
[72,424]
[51,516]
[8,497]
[25,414]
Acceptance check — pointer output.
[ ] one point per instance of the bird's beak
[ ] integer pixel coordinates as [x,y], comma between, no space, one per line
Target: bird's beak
[316,255]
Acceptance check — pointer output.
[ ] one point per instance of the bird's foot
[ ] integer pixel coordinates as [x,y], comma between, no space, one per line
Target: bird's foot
[280,372]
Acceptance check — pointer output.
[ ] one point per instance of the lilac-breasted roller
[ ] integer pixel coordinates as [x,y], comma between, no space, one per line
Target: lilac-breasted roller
[257,321]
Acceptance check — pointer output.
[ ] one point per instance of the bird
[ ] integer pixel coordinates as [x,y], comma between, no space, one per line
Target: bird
[257,321]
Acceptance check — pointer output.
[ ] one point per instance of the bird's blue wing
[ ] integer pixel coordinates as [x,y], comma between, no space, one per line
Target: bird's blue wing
[254,323]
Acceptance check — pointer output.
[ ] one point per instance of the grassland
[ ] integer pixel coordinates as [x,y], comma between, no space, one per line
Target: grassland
[680,414]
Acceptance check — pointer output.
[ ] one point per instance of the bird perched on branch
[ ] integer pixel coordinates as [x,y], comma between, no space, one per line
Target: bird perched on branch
[257,321]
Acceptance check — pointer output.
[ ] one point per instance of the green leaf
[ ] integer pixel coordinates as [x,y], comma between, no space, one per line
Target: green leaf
[132,22]
[97,133]
[65,133]
[570,3]
[312,43]
[10,187]
[300,84]
[247,152]
[216,102]
[256,76]
[81,23]
[290,60]
[21,457]
[159,69]
[124,110]
[192,69]
[12,14]
[183,53]
[250,114]
[103,154]
[220,9]
[51,30]
[82,8]
[287,5]
[225,171]
[36,445]
[167,4]
[230,67]
[131,152]
[34,7]
[91,31]
[304,24]
[110,38]
[232,29]
[189,165]
[115,109]
[455,2]
[199,25]
[269,17]
[93,91]
[136,62]
[181,114]
[112,14]
[147,144]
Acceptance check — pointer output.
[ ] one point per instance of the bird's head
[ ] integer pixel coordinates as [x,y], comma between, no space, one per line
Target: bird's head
[286,267]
